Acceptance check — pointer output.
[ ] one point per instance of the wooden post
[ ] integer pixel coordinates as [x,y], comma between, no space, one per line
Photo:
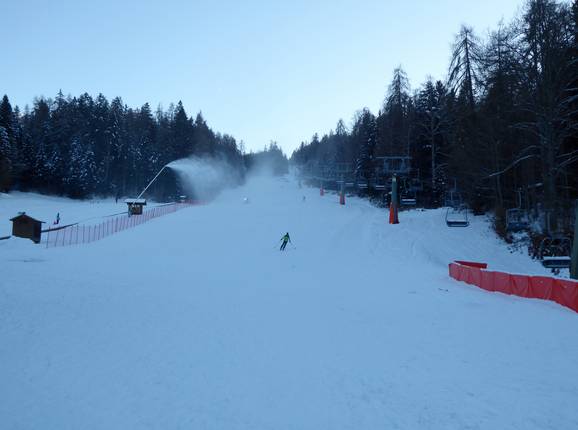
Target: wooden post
[574,262]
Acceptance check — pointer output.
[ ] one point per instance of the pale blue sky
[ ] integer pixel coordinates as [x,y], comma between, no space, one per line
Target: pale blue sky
[259,70]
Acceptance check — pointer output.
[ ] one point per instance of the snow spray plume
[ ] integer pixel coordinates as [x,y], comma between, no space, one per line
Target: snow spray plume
[203,178]
[271,162]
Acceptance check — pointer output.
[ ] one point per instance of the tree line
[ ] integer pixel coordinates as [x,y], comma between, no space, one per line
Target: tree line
[84,146]
[501,128]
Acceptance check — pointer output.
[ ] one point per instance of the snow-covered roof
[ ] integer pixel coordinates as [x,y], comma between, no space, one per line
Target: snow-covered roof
[23,215]
[136,201]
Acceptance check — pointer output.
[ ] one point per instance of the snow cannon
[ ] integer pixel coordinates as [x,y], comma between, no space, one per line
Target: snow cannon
[393,218]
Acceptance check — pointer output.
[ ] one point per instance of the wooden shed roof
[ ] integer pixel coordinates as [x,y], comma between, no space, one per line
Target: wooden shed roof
[136,201]
[24,216]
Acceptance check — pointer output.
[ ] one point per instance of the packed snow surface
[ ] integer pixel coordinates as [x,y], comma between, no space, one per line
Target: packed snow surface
[45,208]
[197,321]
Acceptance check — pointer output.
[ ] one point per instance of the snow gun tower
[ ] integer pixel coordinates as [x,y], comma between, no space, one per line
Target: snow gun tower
[393,206]
[135,206]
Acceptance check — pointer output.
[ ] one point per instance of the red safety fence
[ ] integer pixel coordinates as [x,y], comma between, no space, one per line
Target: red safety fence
[79,234]
[564,292]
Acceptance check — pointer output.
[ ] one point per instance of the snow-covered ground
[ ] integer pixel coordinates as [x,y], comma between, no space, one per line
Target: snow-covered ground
[196,321]
[45,208]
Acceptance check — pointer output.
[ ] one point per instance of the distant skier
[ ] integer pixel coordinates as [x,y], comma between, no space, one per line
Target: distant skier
[285,239]
[57,221]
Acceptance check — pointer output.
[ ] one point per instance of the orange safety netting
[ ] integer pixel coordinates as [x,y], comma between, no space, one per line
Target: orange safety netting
[564,292]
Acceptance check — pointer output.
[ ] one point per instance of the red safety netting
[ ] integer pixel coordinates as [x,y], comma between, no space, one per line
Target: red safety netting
[79,234]
[561,291]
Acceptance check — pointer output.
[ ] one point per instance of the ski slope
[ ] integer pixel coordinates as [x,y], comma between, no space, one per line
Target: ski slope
[45,208]
[196,321]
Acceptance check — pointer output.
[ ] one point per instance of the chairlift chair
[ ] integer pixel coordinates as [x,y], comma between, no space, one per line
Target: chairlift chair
[408,199]
[453,199]
[516,220]
[457,217]
[555,252]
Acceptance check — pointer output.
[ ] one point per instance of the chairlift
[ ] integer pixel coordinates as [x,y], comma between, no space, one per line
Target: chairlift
[457,217]
[555,252]
[408,199]
[453,199]
[516,220]
[408,192]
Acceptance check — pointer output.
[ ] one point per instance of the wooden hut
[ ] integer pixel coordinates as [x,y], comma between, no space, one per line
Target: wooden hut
[27,227]
[135,206]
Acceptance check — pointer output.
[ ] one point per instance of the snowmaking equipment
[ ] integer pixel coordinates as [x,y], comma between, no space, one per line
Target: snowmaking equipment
[135,206]
[342,194]
[393,206]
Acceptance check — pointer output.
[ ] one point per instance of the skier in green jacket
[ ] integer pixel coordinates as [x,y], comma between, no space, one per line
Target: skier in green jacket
[285,239]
